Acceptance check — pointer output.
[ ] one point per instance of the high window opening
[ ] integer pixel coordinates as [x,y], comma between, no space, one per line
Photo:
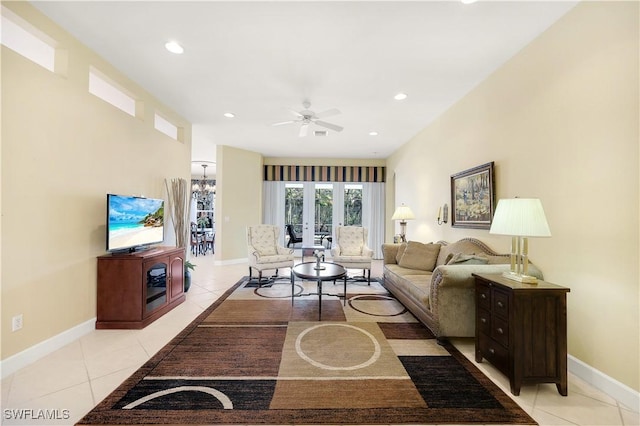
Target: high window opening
[26,40]
[108,91]
[163,125]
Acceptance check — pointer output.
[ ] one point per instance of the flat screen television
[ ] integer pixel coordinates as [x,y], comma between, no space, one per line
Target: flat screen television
[133,223]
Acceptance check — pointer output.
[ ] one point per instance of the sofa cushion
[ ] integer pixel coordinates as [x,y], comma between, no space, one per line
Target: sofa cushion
[420,256]
[400,252]
[418,287]
[467,259]
[403,272]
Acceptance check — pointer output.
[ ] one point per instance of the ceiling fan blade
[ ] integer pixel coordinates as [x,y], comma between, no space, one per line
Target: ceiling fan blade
[284,122]
[329,125]
[296,113]
[328,113]
[303,130]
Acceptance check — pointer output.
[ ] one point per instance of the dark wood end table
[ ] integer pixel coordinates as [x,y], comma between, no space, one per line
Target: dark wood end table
[522,330]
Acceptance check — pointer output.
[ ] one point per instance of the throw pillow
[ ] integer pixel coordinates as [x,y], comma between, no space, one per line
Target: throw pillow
[400,252]
[420,256]
[467,259]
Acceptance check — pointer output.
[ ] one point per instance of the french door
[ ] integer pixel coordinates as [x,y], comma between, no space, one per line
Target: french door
[315,208]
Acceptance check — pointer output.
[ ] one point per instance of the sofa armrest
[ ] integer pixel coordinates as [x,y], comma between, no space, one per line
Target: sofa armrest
[452,297]
[389,252]
[335,250]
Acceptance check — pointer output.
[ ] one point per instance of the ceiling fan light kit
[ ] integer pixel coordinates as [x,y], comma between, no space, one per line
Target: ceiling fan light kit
[307,117]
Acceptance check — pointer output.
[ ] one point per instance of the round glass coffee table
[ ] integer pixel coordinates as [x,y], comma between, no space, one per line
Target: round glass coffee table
[328,272]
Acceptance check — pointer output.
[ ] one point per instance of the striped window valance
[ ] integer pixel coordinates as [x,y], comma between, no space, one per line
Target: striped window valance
[324,173]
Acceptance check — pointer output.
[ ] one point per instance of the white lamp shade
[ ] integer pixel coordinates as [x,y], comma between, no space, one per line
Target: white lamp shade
[403,213]
[523,217]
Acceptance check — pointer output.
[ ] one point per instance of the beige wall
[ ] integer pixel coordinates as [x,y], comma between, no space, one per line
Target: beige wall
[560,120]
[238,200]
[63,149]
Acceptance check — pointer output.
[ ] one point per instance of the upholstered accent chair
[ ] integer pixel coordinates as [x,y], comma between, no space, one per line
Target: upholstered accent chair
[350,249]
[265,251]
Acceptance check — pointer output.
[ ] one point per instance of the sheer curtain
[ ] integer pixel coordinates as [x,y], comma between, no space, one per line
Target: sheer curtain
[273,205]
[373,215]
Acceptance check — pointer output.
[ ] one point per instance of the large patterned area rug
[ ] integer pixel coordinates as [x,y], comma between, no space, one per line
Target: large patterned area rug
[254,357]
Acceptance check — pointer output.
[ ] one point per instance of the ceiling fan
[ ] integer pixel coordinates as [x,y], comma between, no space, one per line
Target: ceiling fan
[307,117]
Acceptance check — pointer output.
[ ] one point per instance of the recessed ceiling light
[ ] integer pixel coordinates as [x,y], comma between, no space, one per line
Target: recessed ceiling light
[174,47]
[373,133]
[468,1]
[400,96]
[229,114]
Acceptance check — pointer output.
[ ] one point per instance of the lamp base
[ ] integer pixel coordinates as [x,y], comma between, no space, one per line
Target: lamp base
[527,279]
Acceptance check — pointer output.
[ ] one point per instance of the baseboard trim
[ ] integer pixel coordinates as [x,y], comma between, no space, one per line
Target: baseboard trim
[230,262]
[22,359]
[622,393]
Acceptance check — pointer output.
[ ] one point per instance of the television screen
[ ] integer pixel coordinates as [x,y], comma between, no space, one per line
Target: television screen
[133,222]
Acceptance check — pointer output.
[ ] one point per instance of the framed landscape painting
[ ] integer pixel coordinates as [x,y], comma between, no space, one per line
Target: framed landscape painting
[472,197]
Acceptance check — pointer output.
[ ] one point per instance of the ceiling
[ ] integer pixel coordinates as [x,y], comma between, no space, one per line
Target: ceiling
[260,60]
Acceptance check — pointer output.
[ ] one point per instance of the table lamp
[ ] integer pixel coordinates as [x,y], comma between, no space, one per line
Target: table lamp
[521,218]
[403,213]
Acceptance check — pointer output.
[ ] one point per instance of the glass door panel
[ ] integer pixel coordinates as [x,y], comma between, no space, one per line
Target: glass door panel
[293,213]
[156,290]
[313,209]
[323,213]
[352,205]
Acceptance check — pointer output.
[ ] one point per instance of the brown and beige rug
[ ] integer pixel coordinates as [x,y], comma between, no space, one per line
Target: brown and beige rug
[254,357]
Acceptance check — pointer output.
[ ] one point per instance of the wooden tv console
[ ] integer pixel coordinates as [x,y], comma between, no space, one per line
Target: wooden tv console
[135,289]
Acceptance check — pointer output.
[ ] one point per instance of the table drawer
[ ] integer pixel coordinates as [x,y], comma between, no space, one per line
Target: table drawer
[500,304]
[483,294]
[500,331]
[495,353]
[483,317]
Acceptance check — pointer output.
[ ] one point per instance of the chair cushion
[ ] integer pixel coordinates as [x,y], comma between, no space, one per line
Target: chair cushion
[420,256]
[351,241]
[263,240]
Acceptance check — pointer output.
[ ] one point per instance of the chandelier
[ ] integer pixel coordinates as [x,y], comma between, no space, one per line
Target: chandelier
[203,189]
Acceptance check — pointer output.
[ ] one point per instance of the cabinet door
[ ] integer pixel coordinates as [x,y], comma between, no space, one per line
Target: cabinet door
[177,277]
[155,279]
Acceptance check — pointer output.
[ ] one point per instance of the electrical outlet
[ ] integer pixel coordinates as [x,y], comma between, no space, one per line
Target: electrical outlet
[16,323]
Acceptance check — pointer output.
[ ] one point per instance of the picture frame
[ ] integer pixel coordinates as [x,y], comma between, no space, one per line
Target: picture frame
[473,197]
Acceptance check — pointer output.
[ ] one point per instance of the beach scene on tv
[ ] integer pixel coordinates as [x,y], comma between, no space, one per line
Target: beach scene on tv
[134,221]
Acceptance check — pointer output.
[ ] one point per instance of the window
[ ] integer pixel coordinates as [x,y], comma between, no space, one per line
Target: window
[28,41]
[109,92]
[166,127]
[353,204]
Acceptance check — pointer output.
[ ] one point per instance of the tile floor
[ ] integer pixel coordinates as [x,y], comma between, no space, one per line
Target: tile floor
[75,378]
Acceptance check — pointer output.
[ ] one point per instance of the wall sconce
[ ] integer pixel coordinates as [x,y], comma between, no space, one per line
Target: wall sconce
[443,214]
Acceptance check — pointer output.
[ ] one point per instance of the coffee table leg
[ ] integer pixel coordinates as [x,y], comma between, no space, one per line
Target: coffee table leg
[319,300]
[293,279]
[344,303]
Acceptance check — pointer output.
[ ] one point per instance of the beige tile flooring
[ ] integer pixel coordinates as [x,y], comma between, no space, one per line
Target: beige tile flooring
[78,376]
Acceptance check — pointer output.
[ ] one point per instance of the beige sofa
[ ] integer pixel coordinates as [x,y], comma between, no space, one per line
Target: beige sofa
[434,281]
